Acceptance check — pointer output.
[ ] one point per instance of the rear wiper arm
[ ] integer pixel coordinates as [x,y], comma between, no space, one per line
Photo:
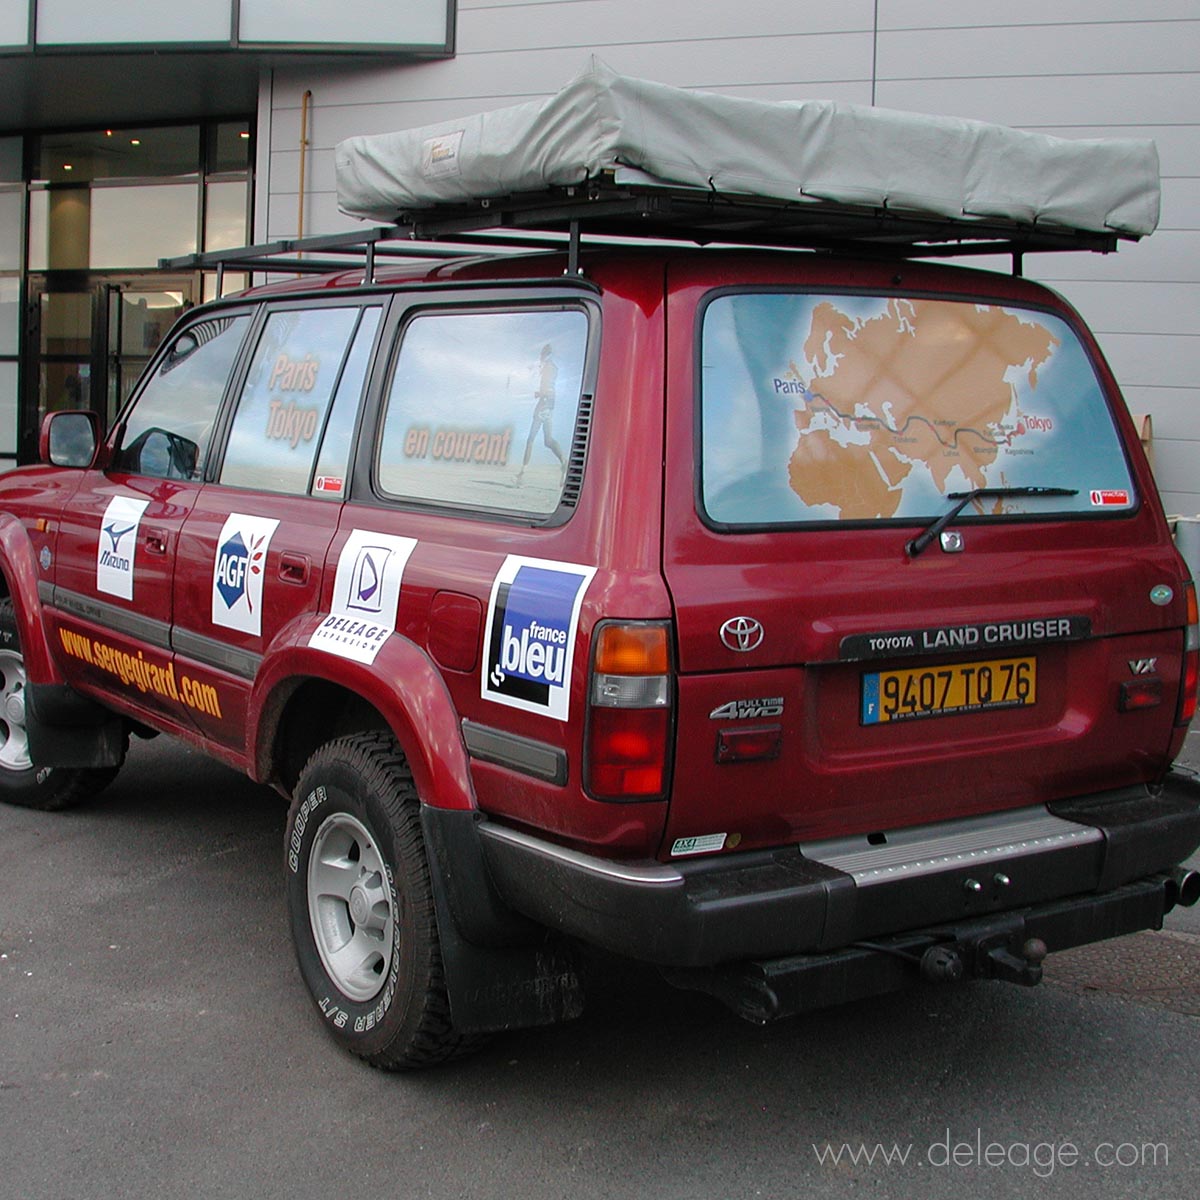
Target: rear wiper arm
[922,540]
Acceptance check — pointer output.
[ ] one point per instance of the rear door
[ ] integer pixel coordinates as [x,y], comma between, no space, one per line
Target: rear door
[838,677]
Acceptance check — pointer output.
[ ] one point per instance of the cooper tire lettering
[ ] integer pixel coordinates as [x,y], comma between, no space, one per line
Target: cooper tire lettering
[361,907]
[311,801]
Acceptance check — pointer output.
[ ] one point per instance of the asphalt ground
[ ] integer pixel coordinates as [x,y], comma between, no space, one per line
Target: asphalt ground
[1160,968]
[155,1041]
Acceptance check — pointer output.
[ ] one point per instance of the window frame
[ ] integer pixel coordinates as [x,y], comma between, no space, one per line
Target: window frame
[1083,337]
[215,442]
[581,298]
[359,301]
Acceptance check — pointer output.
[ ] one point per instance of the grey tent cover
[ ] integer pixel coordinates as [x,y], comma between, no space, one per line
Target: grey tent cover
[807,150]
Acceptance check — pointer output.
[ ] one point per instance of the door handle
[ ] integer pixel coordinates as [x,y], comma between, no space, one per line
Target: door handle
[156,541]
[294,568]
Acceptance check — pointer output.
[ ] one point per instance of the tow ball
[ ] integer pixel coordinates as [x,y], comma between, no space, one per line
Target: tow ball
[990,958]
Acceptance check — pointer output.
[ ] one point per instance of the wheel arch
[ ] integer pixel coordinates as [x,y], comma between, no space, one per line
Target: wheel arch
[19,579]
[304,698]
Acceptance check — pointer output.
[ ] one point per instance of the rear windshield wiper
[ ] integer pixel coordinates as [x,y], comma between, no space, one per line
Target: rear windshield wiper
[917,544]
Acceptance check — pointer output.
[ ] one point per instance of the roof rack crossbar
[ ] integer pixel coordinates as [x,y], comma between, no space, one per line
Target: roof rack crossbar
[559,219]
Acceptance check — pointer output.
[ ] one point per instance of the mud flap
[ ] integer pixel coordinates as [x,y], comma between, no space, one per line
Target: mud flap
[66,729]
[502,972]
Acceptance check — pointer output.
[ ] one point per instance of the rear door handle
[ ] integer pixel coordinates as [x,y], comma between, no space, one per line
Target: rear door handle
[156,541]
[294,568]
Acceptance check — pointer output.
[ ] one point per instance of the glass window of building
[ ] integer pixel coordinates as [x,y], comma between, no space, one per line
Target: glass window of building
[12,217]
[14,23]
[81,22]
[104,207]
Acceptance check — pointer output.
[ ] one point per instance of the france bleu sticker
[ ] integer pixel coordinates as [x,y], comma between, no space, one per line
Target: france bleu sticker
[366,592]
[117,546]
[533,616]
[239,571]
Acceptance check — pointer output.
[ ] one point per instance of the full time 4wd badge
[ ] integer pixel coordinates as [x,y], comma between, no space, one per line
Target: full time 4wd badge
[239,571]
[532,620]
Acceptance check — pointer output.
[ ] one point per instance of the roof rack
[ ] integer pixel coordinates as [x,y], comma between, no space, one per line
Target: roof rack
[607,209]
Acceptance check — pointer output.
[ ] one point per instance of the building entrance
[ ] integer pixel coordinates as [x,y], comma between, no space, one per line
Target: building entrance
[89,336]
[103,207]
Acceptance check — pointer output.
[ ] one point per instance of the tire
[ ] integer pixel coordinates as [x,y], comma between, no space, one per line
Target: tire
[21,783]
[361,906]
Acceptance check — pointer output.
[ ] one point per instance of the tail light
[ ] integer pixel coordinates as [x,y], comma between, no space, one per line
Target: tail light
[1191,659]
[627,753]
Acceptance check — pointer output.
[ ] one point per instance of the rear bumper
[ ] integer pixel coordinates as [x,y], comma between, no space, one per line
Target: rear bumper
[983,948]
[820,898]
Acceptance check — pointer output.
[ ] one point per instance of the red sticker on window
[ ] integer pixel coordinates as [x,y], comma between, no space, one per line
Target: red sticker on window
[1110,496]
[332,483]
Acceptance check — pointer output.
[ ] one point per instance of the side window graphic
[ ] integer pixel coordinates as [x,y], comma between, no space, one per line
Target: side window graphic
[282,411]
[483,407]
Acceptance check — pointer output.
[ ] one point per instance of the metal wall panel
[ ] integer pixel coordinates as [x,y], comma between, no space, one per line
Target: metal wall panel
[588,24]
[1075,68]
[1160,308]
[1147,48]
[978,14]
[1153,360]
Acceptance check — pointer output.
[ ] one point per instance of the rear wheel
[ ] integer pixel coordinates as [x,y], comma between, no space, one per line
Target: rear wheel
[46,788]
[361,906]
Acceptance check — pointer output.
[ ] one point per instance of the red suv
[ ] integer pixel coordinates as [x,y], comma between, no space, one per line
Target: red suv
[801,624]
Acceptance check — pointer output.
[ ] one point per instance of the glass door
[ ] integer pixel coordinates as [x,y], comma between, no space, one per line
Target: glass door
[61,333]
[139,314]
[89,336]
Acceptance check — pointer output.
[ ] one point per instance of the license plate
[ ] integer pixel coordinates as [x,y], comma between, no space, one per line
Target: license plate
[942,691]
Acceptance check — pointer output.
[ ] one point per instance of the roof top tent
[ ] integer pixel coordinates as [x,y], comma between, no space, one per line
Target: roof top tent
[617,156]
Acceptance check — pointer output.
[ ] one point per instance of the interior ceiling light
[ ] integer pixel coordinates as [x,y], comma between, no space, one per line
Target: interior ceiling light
[68,167]
[135,141]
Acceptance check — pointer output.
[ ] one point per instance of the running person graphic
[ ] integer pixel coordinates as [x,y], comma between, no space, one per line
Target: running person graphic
[543,412]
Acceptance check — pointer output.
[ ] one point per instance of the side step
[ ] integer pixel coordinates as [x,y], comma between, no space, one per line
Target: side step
[928,849]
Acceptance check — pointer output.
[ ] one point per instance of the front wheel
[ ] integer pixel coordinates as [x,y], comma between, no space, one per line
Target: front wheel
[361,906]
[46,788]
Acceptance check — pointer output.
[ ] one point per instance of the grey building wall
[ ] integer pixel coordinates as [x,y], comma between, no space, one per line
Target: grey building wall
[1075,68]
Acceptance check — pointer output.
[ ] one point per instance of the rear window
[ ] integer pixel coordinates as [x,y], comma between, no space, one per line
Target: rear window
[819,408]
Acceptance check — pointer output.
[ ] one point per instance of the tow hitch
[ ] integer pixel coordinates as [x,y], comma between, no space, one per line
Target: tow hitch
[1010,948]
[992,956]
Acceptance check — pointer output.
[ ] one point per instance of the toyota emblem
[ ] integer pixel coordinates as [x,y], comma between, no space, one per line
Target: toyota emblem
[742,634]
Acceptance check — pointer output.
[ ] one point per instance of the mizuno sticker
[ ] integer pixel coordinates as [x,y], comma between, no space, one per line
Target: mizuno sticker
[117,547]
[365,595]
[533,617]
[239,571]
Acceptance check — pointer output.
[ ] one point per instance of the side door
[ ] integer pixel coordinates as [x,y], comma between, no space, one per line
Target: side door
[254,542]
[116,552]
[464,533]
